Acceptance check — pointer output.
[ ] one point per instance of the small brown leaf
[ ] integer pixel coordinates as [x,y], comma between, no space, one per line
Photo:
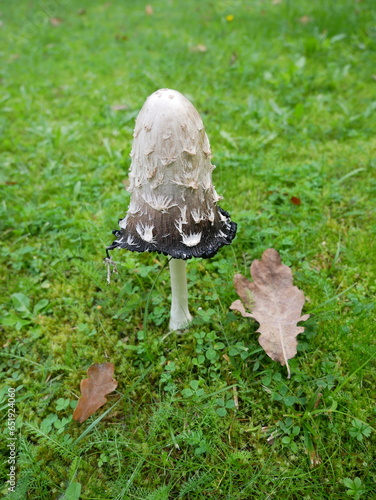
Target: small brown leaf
[56,21]
[295,200]
[199,48]
[94,389]
[274,303]
[305,19]
[149,10]
[119,107]
[121,38]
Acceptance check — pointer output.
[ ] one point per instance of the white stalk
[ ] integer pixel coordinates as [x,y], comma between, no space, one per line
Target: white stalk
[180,316]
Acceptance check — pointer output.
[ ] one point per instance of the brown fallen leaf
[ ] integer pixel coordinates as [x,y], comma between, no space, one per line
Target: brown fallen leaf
[274,303]
[295,200]
[149,10]
[119,107]
[94,389]
[199,48]
[121,38]
[56,21]
[305,19]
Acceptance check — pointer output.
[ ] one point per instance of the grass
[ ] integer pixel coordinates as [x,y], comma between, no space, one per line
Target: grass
[286,90]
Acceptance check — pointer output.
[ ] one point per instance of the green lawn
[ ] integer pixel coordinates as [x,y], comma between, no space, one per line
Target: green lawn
[286,90]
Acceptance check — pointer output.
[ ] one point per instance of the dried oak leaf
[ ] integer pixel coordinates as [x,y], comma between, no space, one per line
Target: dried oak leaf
[274,303]
[94,389]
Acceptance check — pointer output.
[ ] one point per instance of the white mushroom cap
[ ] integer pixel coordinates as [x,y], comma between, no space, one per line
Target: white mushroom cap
[173,208]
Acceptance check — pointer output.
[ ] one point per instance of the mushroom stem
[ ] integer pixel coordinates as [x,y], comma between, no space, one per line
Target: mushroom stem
[180,316]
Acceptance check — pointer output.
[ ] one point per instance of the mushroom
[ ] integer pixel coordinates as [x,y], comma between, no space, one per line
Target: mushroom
[173,208]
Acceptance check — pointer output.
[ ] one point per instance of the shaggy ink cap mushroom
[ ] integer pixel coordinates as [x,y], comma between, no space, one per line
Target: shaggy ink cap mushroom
[173,208]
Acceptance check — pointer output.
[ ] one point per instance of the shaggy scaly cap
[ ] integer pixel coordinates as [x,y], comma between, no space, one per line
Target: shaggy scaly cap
[173,208]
